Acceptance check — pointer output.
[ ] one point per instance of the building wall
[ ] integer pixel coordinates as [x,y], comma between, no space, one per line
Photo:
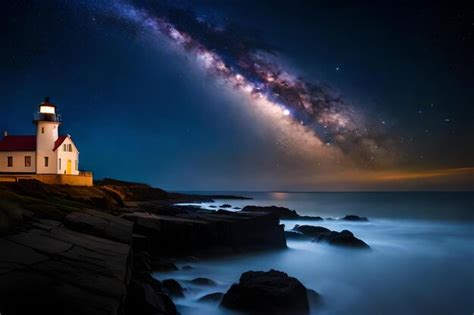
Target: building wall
[18,162]
[46,135]
[83,179]
[64,156]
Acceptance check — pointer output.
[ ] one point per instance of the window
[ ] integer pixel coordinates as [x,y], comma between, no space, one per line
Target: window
[64,147]
[27,161]
[46,161]
[70,147]
[60,164]
[77,165]
[10,161]
[42,129]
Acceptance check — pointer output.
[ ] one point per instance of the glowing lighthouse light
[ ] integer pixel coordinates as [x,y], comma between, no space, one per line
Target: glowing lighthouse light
[46,107]
[286,112]
[47,110]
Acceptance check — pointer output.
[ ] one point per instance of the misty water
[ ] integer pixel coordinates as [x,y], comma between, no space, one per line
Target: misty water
[421,261]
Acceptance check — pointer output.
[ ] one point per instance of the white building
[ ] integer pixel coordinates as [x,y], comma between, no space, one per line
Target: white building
[46,153]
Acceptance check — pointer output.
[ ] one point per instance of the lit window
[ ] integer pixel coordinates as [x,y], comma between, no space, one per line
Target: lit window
[77,165]
[60,164]
[10,161]
[46,161]
[27,161]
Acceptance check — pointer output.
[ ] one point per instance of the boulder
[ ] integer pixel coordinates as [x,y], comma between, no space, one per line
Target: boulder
[354,218]
[294,235]
[271,292]
[173,287]
[322,234]
[344,238]
[203,281]
[310,230]
[212,298]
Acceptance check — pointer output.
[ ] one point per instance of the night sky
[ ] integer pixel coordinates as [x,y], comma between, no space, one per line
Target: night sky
[250,95]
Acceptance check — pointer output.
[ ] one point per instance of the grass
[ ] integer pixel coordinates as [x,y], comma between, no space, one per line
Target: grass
[11,215]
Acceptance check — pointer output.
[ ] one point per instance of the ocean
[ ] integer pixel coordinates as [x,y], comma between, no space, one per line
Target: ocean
[421,261]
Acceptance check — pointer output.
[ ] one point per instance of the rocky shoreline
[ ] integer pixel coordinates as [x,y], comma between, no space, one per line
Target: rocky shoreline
[91,250]
[78,250]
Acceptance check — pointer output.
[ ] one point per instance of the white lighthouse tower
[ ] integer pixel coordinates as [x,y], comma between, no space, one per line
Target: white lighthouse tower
[47,133]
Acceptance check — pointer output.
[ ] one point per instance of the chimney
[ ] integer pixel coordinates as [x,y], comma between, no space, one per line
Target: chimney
[5,133]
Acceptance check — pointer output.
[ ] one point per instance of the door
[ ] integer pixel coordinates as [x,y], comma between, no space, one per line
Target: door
[69,167]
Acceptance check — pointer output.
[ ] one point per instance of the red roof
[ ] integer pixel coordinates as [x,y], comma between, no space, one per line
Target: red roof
[18,143]
[58,142]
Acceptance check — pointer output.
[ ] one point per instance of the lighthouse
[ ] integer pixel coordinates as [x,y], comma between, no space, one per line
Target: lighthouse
[47,123]
[46,156]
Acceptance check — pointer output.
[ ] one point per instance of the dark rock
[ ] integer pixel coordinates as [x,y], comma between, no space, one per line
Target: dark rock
[61,271]
[236,208]
[354,218]
[271,292]
[314,298]
[322,234]
[173,287]
[202,281]
[187,267]
[163,265]
[226,206]
[310,230]
[281,212]
[202,233]
[343,238]
[294,235]
[142,262]
[143,299]
[212,206]
[100,224]
[212,298]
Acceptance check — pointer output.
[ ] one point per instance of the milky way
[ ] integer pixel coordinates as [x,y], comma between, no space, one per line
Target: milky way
[311,117]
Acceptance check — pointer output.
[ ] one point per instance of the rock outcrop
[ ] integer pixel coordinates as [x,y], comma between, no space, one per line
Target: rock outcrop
[322,234]
[173,287]
[221,232]
[354,218]
[91,250]
[310,230]
[49,268]
[212,297]
[344,238]
[100,224]
[281,212]
[271,292]
[203,281]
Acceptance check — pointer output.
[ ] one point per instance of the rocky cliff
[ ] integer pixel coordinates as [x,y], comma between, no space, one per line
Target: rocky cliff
[90,250]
